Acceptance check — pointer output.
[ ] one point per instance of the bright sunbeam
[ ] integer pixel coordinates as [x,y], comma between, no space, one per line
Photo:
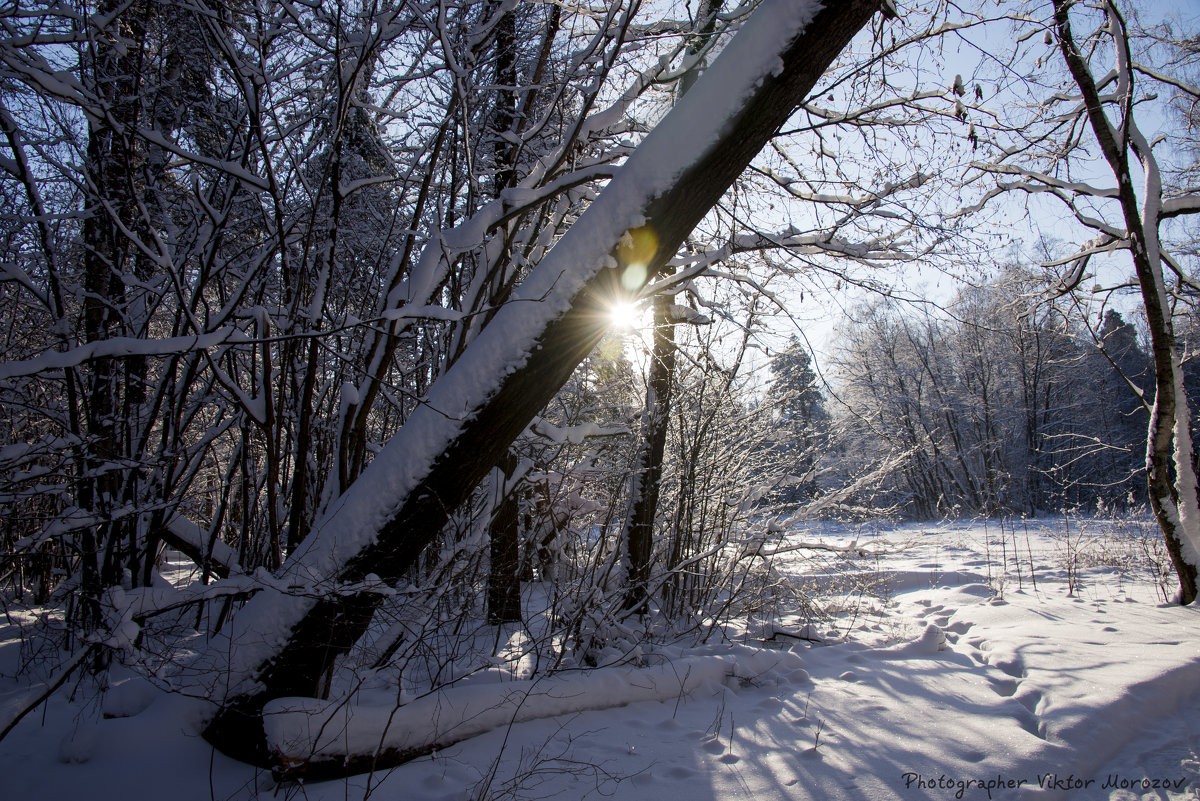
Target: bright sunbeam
[624,316]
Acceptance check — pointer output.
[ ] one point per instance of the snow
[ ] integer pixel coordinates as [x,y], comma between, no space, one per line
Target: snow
[200,542]
[575,435]
[965,680]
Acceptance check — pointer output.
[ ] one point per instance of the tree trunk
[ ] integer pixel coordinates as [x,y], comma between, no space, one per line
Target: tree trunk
[1169,448]
[504,579]
[281,644]
[638,537]
[647,471]
[113,168]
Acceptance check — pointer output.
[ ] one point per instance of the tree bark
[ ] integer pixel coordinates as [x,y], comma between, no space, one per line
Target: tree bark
[113,166]
[281,644]
[647,471]
[1173,498]
[504,578]
[638,536]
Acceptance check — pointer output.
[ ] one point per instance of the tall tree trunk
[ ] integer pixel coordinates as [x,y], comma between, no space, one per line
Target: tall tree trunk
[1170,472]
[504,579]
[638,537]
[113,167]
[281,643]
[646,480]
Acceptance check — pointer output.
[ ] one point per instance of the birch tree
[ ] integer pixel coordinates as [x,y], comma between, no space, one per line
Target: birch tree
[1095,120]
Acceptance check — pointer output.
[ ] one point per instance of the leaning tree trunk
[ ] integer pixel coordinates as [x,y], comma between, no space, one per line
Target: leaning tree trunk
[282,643]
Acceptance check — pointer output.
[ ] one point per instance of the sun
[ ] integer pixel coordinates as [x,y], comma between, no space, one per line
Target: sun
[624,316]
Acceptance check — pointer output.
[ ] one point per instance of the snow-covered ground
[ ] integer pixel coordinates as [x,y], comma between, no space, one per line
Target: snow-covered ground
[1001,661]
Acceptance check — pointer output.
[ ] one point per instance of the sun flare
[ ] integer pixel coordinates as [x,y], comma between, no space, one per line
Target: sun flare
[624,316]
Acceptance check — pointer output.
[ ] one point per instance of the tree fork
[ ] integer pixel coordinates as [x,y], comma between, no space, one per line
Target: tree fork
[291,662]
[1170,401]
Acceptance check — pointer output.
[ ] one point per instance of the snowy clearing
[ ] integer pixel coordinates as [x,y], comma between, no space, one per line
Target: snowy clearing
[1056,673]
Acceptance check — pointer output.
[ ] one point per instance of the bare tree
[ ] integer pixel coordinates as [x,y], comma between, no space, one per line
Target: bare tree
[1044,155]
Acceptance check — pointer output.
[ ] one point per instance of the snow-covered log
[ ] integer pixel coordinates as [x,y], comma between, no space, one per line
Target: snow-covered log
[211,553]
[312,739]
[282,644]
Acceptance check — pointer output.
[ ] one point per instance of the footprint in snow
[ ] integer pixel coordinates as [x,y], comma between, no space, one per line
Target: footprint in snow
[1013,666]
[1005,688]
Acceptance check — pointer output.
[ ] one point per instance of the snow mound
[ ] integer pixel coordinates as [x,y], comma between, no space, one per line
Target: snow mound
[127,698]
[931,640]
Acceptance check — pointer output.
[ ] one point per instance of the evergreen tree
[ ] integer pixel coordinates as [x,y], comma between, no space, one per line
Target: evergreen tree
[799,419]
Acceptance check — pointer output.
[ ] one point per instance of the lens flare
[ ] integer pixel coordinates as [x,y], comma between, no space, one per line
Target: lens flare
[633,277]
[634,254]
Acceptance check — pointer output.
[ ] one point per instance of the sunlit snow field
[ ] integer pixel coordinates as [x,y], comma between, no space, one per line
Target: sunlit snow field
[982,659]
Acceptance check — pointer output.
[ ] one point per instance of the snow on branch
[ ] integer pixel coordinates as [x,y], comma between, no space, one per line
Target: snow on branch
[1048,181]
[850,549]
[575,435]
[1179,206]
[117,347]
